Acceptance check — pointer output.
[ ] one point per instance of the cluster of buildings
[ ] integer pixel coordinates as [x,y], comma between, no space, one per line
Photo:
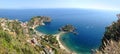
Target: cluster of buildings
[4,22]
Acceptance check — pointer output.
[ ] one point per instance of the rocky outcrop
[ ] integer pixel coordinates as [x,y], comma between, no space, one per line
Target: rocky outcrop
[39,20]
[111,40]
[68,28]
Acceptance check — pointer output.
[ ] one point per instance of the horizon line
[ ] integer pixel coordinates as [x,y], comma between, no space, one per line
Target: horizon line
[58,8]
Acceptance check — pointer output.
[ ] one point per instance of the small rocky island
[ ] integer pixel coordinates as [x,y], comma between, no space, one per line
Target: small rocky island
[68,28]
[18,37]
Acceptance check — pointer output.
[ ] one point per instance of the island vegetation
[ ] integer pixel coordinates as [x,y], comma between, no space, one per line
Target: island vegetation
[68,28]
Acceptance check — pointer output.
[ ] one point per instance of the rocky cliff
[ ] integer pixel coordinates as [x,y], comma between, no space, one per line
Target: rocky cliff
[118,15]
[111,40]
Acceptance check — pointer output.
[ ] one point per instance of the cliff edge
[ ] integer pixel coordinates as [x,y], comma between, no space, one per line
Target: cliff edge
[111,40]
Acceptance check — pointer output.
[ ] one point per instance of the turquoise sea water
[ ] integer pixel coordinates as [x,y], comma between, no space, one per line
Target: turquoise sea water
[90,25]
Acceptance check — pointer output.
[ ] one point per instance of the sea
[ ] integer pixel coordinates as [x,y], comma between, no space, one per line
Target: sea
[89,23]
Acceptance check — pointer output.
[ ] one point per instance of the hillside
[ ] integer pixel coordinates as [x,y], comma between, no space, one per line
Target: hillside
[111,40]
[18,37]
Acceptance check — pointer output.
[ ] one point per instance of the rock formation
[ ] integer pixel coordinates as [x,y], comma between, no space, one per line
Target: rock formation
[68,28]
[111,40]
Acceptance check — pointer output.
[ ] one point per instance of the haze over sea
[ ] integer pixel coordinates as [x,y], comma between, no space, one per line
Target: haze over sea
[90,24]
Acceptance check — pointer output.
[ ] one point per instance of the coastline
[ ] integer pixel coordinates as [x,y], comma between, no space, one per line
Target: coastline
[62,46]
[33,40]
[37,32]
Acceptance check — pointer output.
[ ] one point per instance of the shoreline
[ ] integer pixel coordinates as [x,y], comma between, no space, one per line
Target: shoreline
[37,32]
[62,46]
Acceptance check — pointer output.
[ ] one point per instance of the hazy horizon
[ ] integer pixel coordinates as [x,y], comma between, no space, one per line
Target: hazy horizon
[40,4]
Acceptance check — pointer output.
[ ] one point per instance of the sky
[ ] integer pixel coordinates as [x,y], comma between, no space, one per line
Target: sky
[37,4]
